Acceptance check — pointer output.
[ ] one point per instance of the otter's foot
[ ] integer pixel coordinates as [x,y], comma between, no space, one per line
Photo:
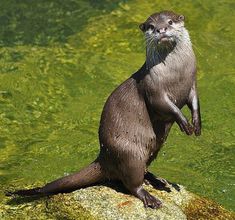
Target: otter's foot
[147,198]
[157,182]
[160,183]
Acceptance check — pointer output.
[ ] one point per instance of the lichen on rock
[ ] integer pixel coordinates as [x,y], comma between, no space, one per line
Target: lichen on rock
[111,202]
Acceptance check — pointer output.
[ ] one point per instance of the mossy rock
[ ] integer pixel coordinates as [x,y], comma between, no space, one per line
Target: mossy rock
[105,202]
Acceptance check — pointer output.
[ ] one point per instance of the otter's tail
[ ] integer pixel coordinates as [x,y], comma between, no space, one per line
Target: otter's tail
[86,177]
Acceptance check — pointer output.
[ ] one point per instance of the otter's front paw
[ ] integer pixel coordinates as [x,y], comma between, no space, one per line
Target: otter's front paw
[187,128]
[197,126]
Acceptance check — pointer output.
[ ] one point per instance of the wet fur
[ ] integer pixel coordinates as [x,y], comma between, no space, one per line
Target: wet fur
[138,115]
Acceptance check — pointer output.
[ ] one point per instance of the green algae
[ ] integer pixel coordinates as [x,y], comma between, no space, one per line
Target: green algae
[56,78]
[201,208]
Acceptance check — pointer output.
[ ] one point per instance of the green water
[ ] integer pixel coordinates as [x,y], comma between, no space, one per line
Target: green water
[59,61]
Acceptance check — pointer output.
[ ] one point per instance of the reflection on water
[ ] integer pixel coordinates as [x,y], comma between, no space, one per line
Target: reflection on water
[60,61]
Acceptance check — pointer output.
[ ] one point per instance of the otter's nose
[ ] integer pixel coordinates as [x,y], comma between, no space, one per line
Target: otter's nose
[162,30]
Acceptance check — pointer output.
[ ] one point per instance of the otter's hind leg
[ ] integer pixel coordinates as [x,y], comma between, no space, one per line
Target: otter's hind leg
[133,177]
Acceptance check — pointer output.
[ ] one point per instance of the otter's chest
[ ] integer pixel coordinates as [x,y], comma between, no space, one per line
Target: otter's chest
[173,78]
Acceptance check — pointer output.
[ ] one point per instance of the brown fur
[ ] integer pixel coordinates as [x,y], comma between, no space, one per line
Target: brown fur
[138,115]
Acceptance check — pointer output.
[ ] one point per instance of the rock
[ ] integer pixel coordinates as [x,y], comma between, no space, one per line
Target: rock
[103,202]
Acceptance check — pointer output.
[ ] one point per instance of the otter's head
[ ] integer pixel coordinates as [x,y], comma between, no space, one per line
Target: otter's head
[163,28]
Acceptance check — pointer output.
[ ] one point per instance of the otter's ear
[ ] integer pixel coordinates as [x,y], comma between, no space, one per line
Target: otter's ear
[142,27]
[181,18]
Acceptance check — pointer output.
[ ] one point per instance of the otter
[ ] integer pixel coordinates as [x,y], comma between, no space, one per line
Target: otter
[138,115]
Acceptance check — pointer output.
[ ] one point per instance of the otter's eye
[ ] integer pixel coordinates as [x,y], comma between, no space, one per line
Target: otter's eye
[170,22]
[151,27]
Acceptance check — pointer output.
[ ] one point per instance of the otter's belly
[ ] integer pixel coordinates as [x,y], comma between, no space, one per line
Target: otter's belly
[178,95]
[169,82]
